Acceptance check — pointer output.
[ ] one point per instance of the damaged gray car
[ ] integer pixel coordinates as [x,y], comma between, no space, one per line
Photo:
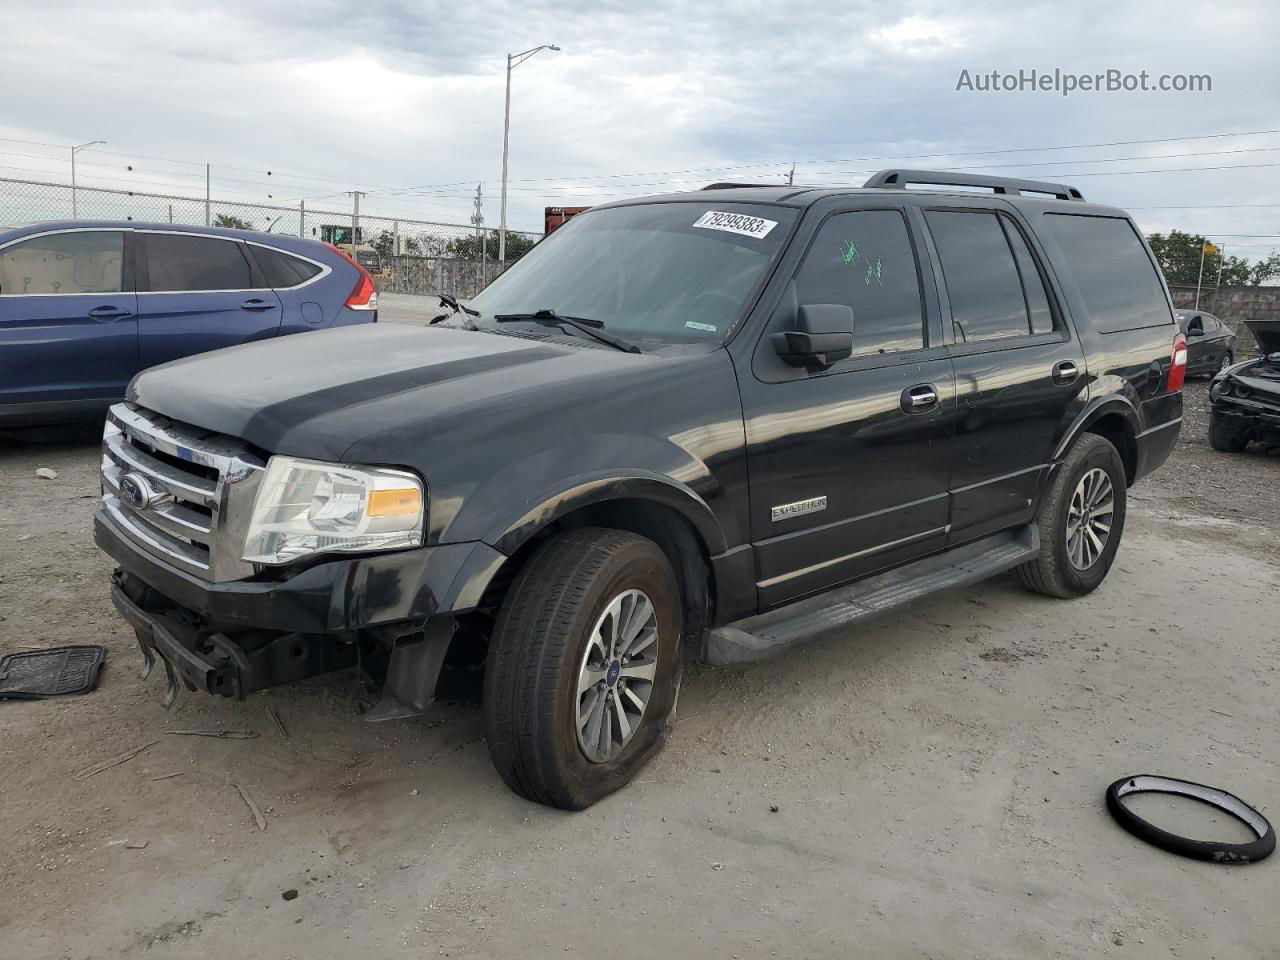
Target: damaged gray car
[1245,397]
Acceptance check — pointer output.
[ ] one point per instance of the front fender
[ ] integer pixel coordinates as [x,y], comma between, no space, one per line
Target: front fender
[509,532]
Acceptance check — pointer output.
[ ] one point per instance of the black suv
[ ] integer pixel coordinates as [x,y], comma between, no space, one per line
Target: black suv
[726,420]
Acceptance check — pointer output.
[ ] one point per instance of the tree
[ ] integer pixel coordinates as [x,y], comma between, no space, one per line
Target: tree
[472,247]
[1178,254]
[232,223]
[1265,270]
[384,245]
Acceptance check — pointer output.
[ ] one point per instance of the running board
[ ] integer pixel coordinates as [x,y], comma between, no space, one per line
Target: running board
[761,636]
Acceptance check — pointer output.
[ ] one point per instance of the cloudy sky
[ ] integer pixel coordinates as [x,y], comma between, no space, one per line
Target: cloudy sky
[405,100]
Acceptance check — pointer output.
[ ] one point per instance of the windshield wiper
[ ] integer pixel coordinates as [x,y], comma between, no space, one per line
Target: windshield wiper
[549,318]
[449,300]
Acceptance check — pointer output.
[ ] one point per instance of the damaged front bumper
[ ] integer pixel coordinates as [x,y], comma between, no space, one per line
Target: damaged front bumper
[1246,402]
[215,662]
[232,638]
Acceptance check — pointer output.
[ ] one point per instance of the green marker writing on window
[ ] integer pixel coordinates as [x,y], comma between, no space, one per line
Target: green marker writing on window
[873,270]
[850,252]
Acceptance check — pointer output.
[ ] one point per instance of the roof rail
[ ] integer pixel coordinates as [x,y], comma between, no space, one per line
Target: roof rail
[1006,185]
[734,186]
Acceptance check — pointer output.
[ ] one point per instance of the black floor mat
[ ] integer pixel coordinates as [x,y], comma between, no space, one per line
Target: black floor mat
[50,673]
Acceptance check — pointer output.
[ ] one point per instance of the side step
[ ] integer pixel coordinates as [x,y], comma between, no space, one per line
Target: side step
[761,636]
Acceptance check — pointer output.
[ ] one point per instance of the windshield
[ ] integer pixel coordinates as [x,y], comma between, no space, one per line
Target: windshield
[664,272]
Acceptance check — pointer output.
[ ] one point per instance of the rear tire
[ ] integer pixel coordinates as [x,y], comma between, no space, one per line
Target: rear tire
[546,645]
[1225,437]
[1081,521]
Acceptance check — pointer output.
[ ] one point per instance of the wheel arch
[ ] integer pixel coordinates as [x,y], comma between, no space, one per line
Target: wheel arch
[668,513]
[1114,418]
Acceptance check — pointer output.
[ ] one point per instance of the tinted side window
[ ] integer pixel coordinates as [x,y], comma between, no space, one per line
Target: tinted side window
[176,262]
[282,270]
[981,276]
[1032,280]
[1117,280]
[865,260]
[91,261]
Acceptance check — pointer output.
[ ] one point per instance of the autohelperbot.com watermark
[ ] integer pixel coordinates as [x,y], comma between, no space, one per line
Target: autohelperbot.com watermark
[1065,83]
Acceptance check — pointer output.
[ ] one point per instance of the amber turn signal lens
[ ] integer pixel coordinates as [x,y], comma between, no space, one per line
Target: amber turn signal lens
[394,503]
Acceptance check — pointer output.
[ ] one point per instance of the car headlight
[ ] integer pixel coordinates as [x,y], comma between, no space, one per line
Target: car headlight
[306,507]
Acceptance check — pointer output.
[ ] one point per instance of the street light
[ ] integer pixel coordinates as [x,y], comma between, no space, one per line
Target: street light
[74,151]
[513,60]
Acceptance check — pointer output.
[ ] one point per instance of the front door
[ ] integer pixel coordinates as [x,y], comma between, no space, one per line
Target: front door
[847,465]
[199,293]
[68,322]
[1020,374]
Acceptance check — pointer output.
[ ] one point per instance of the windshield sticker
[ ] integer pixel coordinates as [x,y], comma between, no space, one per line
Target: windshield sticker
[756,227]
[694,325]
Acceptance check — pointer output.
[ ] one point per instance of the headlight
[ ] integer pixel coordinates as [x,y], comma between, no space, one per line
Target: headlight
[305,507]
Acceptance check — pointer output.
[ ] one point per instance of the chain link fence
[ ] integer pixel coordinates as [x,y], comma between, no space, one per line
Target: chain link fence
[411,261]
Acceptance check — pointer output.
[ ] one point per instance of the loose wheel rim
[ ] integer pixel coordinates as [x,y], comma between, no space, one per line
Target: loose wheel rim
[1089,518]
[616,676]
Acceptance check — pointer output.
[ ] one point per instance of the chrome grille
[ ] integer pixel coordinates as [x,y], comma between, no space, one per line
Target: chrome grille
[198,490]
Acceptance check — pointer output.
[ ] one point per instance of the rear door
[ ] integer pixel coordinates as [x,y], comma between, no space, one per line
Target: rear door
[1201,347]
[295,279]
[847,465]
[1020,373]
[197,293]
[68,321]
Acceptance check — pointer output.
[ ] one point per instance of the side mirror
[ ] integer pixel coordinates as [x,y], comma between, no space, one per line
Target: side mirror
[823,336]
[1196,327]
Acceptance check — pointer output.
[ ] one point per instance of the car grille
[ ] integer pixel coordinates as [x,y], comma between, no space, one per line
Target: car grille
[178,492]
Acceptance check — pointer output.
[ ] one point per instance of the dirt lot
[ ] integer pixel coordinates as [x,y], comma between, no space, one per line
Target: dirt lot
[929,787]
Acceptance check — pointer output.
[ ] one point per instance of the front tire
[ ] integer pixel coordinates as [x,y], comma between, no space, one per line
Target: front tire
[1225,437]
[1081,522]
[584,667]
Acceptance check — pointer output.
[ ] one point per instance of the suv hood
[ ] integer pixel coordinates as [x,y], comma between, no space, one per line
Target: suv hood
[317,394]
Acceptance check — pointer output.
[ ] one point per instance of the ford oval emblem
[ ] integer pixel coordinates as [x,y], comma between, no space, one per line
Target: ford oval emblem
[135,489]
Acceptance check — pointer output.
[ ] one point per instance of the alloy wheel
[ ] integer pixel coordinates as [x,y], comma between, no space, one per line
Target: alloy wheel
[1089,518]
[615,680]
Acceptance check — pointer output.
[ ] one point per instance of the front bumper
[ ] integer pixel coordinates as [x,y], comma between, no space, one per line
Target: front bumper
[333,597]
[215,663]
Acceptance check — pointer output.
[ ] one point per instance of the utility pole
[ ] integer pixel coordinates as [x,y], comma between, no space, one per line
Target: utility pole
[355,218]
[477,219]
[791,177]
[75,211]
[302,218]
[207,198]
[513,60]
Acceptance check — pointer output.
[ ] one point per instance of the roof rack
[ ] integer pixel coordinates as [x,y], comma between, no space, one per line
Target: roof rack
[1006,185]
[734,186]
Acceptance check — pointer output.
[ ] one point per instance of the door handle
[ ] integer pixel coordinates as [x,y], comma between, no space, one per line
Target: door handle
[920,398]
[257,304]
[1065,372]
[108,313]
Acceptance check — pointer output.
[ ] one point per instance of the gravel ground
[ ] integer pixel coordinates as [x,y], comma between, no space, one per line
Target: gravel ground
[928,787]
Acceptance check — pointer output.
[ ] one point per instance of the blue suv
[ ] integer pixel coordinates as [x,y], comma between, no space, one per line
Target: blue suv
[85,305]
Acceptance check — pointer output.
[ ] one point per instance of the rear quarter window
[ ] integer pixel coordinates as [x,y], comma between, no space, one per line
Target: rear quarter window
[281,269]
[1111,268]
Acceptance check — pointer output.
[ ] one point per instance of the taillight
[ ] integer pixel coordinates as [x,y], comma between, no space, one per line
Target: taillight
[1178,368]
[363,296]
